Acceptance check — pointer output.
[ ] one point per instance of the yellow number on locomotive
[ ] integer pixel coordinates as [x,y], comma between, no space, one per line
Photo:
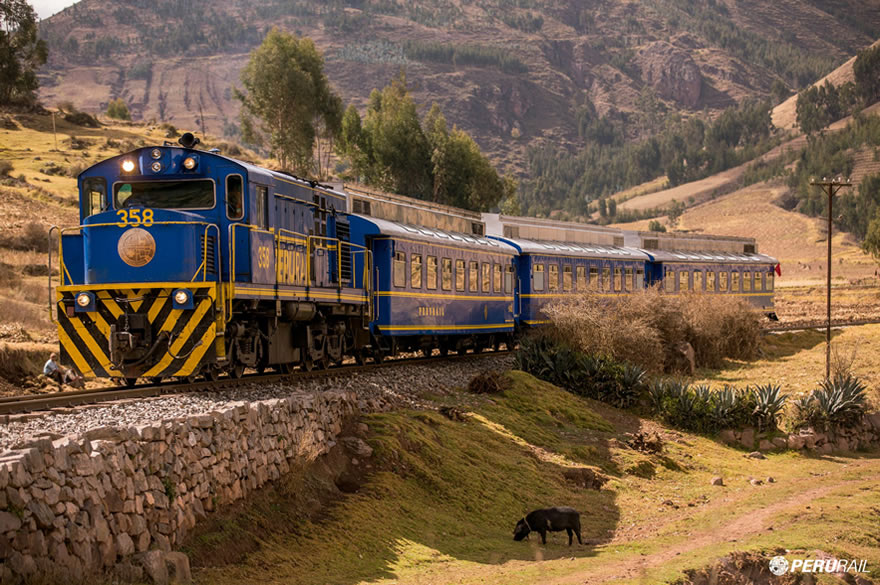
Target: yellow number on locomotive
[135,217]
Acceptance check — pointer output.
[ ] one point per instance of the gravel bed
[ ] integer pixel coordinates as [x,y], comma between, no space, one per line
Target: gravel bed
[397,386]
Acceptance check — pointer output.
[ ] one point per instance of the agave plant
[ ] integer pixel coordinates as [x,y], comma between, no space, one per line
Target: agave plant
[725,404]
[769,403]
[633,377]
[840,401]
[657,393]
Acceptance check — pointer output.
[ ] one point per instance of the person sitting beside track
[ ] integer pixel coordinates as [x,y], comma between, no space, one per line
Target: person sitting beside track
[60,374]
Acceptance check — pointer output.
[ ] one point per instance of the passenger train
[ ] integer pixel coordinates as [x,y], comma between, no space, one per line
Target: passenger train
[189,263]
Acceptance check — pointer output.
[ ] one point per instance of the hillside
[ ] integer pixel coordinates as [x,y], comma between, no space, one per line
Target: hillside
[523,73]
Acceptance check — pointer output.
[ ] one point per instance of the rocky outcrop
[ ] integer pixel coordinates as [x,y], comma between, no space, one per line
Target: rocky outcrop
[106,500]
[671,72]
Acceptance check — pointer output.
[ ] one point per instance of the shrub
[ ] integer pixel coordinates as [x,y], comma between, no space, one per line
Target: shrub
[35,237]
[488,383]
[5,168]
[768,405]
[118,109]
[717,327]
[840,401]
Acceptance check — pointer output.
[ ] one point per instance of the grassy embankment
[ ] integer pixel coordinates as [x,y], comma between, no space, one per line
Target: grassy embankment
[442,502]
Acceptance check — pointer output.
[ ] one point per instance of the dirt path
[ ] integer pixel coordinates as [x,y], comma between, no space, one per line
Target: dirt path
[752,522]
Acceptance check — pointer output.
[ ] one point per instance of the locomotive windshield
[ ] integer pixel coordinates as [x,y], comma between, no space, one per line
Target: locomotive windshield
[165,194]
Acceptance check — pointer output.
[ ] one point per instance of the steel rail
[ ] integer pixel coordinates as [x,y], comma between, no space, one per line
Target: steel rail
[819,324]
[42,402]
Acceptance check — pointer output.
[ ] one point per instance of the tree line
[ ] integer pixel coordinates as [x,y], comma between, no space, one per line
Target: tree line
[289,106]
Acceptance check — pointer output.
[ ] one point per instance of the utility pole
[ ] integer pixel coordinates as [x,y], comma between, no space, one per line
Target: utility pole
[830,187]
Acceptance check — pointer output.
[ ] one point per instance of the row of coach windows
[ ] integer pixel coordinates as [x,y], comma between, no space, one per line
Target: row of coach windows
[464,276]
[584,278]
[722,281]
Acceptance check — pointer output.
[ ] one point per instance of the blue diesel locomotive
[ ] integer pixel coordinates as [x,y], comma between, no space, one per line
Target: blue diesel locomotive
[188,263]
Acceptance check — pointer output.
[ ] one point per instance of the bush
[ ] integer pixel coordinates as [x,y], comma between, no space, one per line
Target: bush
[657,324]
[838,402]
[5,168]
[118,109]
[488,383]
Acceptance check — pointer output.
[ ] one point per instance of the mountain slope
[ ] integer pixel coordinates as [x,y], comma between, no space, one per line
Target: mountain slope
[524,71]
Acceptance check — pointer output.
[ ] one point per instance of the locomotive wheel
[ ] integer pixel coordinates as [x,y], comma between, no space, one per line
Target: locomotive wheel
[323,363]
[236,371]
[427,351]
[359,357]
[131,382]
[444,350]
[210,375]
[308,365]
[285,369]
[156,380]
[378,356]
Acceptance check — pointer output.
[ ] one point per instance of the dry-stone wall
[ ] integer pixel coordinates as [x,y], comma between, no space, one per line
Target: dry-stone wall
[864,435]
[99,502]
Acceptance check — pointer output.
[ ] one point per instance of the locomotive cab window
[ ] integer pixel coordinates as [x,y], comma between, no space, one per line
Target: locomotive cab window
[94,196]
[459,275]
[554,277]
[474,276]
[234,197]
[415,271]
[538,277]
[431,277]
[496,277]
[165,194]
[400,269]
[566,278]
[446,274]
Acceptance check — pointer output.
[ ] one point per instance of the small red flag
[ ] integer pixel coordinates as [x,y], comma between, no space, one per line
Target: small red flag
[778,270]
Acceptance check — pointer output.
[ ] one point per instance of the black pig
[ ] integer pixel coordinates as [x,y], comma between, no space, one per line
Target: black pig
[550,520]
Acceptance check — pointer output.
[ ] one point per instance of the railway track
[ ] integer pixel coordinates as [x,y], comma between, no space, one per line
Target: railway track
[819,324]
[43,402]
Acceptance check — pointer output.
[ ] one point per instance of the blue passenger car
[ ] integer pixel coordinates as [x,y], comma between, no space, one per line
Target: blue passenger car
[437,289]
[549,271]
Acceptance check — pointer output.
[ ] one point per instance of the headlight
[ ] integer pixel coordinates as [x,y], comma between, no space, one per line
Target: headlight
[181,297]
[189,163]
[128,165]
[83,300]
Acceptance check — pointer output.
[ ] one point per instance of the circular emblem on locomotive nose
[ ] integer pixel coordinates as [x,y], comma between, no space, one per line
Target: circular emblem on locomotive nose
[136,247]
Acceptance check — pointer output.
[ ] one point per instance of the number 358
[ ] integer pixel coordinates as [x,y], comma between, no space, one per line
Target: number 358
[135,217]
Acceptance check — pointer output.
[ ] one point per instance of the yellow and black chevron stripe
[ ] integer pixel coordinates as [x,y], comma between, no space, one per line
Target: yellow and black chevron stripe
[85,336]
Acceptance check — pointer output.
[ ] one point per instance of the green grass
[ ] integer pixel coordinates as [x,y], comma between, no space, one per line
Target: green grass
[444,496]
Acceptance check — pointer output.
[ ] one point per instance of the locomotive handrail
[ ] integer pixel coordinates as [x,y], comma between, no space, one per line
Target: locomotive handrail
[60,274]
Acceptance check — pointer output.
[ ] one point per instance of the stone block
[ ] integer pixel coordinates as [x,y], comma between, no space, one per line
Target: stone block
[747,439]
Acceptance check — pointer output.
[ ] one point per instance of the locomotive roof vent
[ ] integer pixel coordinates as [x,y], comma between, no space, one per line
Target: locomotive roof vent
[188,140]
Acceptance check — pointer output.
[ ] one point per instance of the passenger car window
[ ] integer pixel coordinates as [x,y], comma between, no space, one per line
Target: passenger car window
[486,277]
[710,281]
[508,280]
[734,281]
[474,277]
[760,278]
[581,273]
[630,282]
[618,279]
[431,277]
[496,276]
[459,275]
[669,280]
[640,279]
[606,279]
[698,280]
[566,278]
[747,281]
[722,281]
[234,197]
[683,280]
[538,277]
[771,281]
[594,278]
[446,274]
[554,277]
[415,271]
[399,269]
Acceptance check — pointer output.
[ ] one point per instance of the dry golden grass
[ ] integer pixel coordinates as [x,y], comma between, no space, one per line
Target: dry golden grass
[796,360]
